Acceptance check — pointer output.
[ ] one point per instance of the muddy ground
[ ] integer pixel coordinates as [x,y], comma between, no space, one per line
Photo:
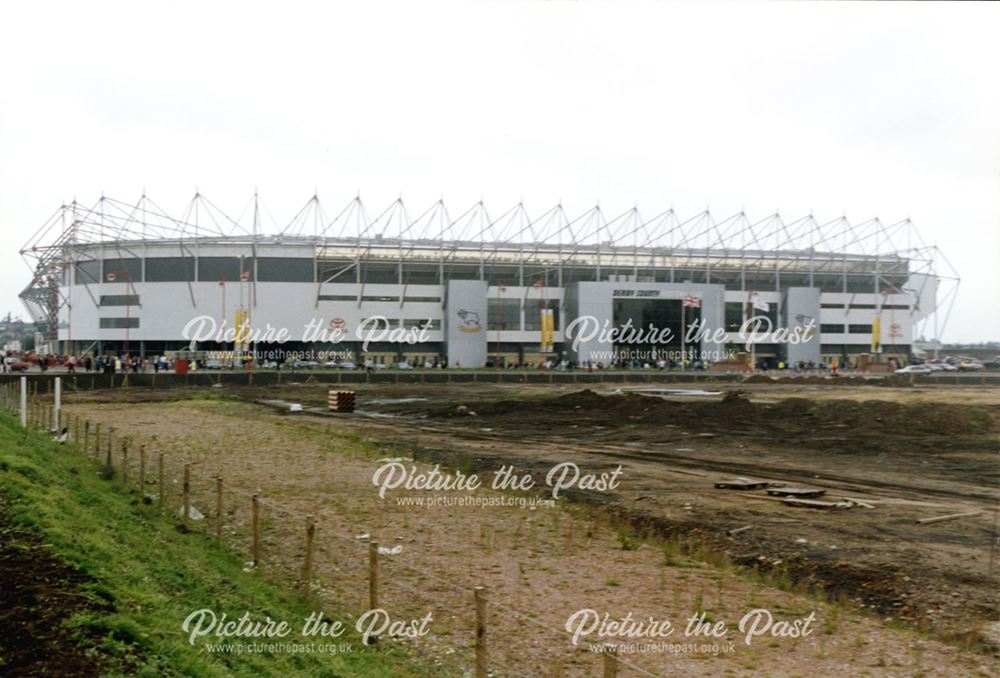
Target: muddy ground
[909,461]
[40,594]
[910,453]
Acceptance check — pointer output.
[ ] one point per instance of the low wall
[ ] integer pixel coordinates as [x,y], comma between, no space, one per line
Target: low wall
[84,381]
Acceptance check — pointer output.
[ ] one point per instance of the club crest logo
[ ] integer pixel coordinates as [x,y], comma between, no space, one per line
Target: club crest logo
[469,321]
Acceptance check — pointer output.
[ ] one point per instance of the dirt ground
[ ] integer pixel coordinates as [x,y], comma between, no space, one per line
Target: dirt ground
[908,460]
[40,593]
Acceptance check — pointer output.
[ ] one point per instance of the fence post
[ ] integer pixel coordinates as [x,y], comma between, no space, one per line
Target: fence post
[125,462]
[480,595]
[186,499]
[308,563]
[218,507]
[24,402]
[373,575]
[142,470]
[160,486]
[255,528]
[76,431]
[97,440]
[57,405]
[111,437]
[610,663]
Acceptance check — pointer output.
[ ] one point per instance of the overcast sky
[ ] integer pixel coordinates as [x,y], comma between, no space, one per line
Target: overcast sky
[888,110]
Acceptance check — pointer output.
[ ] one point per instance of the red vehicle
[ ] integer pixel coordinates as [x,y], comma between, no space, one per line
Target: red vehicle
[18,366]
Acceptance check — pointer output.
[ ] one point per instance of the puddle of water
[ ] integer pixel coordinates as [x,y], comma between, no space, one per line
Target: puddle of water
[678,391]
[393,401]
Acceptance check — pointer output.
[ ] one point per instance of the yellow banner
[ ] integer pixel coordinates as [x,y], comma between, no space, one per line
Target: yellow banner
[242,329]
[876,333]
[548,329]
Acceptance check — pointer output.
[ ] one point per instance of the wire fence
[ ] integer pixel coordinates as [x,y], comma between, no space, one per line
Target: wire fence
[350,573]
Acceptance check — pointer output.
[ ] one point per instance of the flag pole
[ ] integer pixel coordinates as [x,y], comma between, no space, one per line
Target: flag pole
[683,332]
[497,325]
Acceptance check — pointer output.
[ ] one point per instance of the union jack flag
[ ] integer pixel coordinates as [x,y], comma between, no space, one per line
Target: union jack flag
[692,302]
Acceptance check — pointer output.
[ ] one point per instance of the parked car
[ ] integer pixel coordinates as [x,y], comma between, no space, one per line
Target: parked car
[305,364]
[331,363]
[969,365]
[403,365]
[347,365]
[914,369]
[18,366]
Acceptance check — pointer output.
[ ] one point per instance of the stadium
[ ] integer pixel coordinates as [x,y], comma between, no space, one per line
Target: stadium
[479,290]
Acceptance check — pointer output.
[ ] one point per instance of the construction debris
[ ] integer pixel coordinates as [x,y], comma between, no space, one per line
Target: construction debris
[796,492]
[744,484]
[953,516]
[812,503]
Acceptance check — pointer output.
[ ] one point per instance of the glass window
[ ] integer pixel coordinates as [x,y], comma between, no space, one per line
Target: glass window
[831,328]
[509,316]
[533,316]
[122,270]
[430,323]
[421,274]
[734,316]
[336,270]
[373,273]
[88,272]
[282,269]
[215,269]
[119,300]
[119,323]
[170,269]
[859,329]
[508,276]
[461,271]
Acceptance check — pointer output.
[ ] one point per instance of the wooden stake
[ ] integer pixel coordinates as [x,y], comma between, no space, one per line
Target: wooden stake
[186,500]
[86,436]
[218,507]
[142,470]
[97,440]
[76,431]
[610,663]
[125,462]
[159,461]
[111,436]
[480,596]
[373,575]
[255,528]
[307,565]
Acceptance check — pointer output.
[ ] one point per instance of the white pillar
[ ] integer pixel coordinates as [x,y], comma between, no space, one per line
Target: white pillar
[58,405]
[24,402]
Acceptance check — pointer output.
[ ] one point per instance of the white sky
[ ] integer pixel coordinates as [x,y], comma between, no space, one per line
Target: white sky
[888,110]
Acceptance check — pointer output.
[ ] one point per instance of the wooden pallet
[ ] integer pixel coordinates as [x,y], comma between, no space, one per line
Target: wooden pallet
[341,401]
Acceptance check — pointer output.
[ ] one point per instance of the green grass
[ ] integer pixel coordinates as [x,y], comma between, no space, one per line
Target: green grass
[154,576]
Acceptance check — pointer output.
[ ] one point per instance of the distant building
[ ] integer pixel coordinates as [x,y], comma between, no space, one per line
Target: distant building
[483,289]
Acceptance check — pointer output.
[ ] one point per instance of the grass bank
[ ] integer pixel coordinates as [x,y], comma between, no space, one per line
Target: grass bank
[121,579]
